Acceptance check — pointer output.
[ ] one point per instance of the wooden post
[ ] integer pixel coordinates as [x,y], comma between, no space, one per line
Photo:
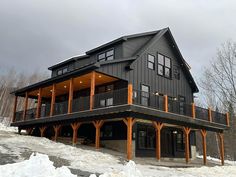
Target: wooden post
[186,133]
[193,111]
[38,111]
[71,92]
[227,119]
[221,147]
[26,105]
[53,99]
[158,126]
[130,94]
[42,130]
[209,115]
[14,109]
[56,131]
[75,126]
[204,133]
[129,123]
[92,90]
[165,103]
[98,124]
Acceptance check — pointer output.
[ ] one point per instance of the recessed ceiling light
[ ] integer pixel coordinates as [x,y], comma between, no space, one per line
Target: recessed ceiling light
[99,76]
[37,93]
[80,82]
[50,90]
[64,86]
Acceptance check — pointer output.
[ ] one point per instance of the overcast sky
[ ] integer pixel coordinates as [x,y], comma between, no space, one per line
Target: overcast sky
[35,34]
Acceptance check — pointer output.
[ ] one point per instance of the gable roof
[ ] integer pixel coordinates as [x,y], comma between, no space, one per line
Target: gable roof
[184,64]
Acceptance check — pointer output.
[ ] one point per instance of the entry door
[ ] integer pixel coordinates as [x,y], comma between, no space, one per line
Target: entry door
[167,146]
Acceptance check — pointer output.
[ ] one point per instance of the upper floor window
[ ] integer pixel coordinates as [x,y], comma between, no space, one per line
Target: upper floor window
[151,62]
[176,72]
[164,66]
[62,71]
[108,55]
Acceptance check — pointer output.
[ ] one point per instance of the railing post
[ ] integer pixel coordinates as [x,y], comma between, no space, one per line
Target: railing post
[92,90]
[193,111]
[209,115]
[165,103]
[14,109]
[39,103]
[130,94]
[26,105]
[71,92]
[53,99]
[227,119]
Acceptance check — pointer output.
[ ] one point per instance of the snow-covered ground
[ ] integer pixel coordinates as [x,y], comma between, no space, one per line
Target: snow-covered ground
[91,161]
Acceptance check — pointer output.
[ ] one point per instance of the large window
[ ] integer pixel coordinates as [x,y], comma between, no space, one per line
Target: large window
[164,66]
[145,95]
[151,62]
[108,55]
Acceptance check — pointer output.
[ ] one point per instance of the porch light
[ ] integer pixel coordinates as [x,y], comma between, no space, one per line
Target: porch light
[156,93]
[175,132]
[175,98]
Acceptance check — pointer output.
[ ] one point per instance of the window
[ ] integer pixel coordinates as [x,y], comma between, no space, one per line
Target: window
[182,105]
[107,131]
[179,141]
[145,95]
[151,62]
[62,71]
[106,102]
[176,72]
[164,66]
[108,55]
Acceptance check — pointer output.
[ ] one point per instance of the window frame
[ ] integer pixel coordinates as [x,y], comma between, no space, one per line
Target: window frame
[143,96]
[148,61]
[106,58]
[164,67]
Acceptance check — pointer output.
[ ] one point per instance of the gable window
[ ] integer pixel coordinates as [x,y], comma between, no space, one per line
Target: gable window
[108,55]
[62,71]
[151,62]
[164,66]
[176,72]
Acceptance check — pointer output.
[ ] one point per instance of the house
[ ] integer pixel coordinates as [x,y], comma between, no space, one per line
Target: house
[133,94]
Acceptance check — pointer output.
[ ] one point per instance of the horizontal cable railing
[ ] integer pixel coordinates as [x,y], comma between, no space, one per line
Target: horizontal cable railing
[110,98]
[60,108]
[45,110]
[80,104]
[218,117]
[202,113]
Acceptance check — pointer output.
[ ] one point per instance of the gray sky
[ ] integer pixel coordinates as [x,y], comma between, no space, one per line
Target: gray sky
[35,34]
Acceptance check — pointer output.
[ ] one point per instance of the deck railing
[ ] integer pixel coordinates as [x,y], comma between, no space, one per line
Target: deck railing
[121,97]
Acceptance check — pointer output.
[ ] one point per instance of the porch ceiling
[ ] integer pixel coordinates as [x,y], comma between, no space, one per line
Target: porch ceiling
[79,83]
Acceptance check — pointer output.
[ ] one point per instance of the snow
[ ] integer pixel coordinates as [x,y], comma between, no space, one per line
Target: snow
[86,159]
[38,165]
[218,160]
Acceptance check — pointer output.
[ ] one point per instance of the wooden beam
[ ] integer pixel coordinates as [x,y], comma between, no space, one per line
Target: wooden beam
[29,131]
[130,94]
[221,147]
[186,133]
[38,111]
[42,130]
[14,109]
[70,99]
[98,124]
[193,111]
[227,119]
[165,103]
[158,126]
[26,105]
[56,131]
[75,126]
[209,115]
[204,133]
[129,123]
[53,99]
[92,90]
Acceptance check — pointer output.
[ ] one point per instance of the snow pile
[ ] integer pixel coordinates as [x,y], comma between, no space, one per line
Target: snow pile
[4,127]
[129,170]
[38,165]
[229,162]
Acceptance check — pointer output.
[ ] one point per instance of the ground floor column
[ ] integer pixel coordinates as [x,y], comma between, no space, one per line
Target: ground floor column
[75,126]
[129,123]
[56,131]
[29,131]
[158,126]
[186,133]
[42,130]
[98,124]
[221,147]
[204,133]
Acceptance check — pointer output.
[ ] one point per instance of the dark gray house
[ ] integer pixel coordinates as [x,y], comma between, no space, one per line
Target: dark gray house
[132,94]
